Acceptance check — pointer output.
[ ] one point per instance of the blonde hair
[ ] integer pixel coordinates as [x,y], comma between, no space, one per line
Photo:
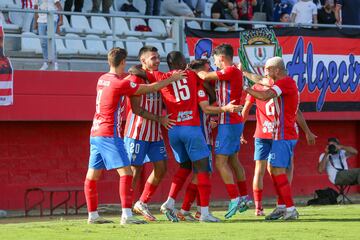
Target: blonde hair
[276,62]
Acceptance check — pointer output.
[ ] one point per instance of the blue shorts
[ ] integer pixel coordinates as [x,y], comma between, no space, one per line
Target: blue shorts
[107,152]
[262,148]
[281,153]
[188,143]
[228,138]
[140,152]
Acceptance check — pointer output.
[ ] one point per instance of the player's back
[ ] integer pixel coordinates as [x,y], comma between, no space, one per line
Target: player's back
[111,92]
[228,88]
[181,99]
[286,107]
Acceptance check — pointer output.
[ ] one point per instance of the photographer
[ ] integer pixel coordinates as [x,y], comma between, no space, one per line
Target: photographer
[334,161]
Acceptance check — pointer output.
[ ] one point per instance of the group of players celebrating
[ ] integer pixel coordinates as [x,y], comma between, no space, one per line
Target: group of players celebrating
[188,92]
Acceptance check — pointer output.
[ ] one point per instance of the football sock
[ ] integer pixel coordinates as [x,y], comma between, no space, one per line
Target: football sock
[204,187]
[126,212]
[258,198]
[280,201]
[91,195]
[148,192]
[126,192]
[284,189]
[242,188]
[204,211]
[93,215]
[198,201]
[178,181]
[232,190]
[190,195]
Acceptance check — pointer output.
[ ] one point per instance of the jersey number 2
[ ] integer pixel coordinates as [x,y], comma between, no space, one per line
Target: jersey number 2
[269,107]
[181,90]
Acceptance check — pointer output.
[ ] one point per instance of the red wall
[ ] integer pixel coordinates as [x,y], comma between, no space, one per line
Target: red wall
[56,153]
[44,141]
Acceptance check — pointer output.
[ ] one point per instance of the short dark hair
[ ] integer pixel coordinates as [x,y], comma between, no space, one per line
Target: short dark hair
[145,49]
[116,55]
[198,63]
[174,57]
[224,49]
[333,139]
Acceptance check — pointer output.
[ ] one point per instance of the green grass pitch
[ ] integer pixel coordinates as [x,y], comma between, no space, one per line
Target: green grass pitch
[323,222]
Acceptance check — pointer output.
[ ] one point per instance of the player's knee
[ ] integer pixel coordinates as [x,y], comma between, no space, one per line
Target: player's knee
[160,171]
[186,165]
[219,164]
[201,165]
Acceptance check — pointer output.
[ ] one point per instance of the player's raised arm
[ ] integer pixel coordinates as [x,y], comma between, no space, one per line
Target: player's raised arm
[208,76]
[256,78]
[310,137]
[156,86]
[262,95]
[230,107]
[138,71]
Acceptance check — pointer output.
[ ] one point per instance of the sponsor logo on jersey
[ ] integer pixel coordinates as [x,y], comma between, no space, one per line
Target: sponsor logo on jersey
[184,116]
[201,93]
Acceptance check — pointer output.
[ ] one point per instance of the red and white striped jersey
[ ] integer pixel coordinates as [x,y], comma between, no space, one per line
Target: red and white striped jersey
[140,128]
[6,75]
[228,88]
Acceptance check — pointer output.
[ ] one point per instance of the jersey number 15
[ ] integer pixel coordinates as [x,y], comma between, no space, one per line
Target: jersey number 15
[181,90]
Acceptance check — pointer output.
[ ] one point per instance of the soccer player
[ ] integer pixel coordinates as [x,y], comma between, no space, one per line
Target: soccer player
[285,95]
[227,145]
[263,138]
[106,147]
[186,139]
[143,140]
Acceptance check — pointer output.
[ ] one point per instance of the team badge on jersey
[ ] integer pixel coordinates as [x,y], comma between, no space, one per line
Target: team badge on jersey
[133,85]
[257,46]
[201,93]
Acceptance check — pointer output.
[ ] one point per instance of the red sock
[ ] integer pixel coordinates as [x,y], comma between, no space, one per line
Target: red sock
[190,195]
[204,187]
[198,198]
[242,188]
[284,189]
[232,190]
[148,191]
[91,195]
[178,181]
[280,200]
[126,192]
[258,198]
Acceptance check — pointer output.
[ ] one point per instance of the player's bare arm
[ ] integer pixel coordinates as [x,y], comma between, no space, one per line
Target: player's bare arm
[154,87]
[210,91]
[245,113]
[262,95]
[138,110]
[230,107]
[208,76]
[310,137]
[256,78]
[137,71]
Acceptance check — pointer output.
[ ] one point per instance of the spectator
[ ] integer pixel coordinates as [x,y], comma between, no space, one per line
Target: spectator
[176,8]
[41,24]
[333,160]
[245,11]
[326,14]
[347,12]
[153,7]
[197,6]
[304,12]
[280,8]
[269,9]
[106,4]
[68,6]
[223,9]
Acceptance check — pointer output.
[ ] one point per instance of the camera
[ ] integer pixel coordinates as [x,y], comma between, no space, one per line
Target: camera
[332,149]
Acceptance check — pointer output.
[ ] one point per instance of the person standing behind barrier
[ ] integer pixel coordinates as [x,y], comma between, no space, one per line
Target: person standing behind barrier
[41,23]
[304,12]
[153,7]
[223,9]
[106,5]
[78,5]
[176,8]
[347,12]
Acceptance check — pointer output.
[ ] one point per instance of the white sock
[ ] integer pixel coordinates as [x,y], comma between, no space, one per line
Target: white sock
[289,209]
[281,206]
[183,211]
[235,199]
[170,203]
[93,215]
[204,211]
[126,213]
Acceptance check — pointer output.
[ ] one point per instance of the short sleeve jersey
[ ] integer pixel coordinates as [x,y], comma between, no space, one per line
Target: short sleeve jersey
[140,128]
[264,114]
[110,99]
[228,88]
[181,98]
[286,105]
